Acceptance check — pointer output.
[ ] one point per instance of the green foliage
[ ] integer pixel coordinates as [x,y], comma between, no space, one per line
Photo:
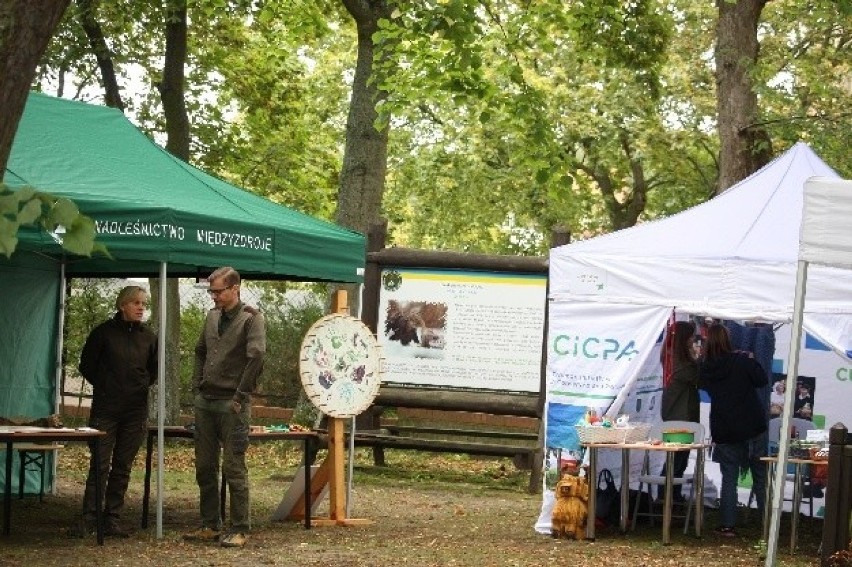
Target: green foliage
[560,122]
[288,314]
[90,303]
[803,77]
[287,322]
[27,207]
[590,114]
[191,325]
[282,73]
[633,35]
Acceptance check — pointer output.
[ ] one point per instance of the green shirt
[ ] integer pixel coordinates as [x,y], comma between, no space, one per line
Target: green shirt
[228,316]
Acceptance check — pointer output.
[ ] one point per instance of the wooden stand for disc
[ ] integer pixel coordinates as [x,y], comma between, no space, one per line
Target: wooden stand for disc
[331,471]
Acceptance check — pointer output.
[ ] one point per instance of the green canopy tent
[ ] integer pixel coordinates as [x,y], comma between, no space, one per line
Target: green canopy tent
[150,207]
[157,216]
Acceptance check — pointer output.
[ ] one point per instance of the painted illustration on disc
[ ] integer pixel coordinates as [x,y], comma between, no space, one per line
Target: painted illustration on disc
[341,365]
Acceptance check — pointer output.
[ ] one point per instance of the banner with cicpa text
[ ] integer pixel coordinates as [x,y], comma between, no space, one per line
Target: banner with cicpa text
[604,357]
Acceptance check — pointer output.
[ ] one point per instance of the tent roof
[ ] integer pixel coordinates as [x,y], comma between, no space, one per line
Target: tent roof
[756,219]
[151,207]
[734,256]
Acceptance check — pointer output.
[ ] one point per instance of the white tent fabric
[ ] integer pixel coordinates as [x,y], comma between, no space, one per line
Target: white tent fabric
[733,257]
[826,237]
[825,240]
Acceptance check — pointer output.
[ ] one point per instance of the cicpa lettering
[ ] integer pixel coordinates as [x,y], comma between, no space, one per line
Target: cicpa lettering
[593,347]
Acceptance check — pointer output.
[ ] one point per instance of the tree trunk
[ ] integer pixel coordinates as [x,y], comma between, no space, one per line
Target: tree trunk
[172,85]
[171,381]
[365,157]
[622,213]
[743,147]
[26,27]
[99,47]
[172,93]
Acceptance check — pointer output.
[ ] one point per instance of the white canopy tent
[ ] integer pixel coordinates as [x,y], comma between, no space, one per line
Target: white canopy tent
[825,241]
[733,257]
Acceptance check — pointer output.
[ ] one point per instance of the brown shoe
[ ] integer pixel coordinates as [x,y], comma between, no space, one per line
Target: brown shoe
[202,534]
[233,539]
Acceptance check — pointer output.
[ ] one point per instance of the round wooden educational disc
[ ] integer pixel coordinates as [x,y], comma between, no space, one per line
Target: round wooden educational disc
[341,366]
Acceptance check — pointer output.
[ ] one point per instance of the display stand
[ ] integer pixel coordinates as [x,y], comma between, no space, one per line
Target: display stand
[292,505]
[330,473]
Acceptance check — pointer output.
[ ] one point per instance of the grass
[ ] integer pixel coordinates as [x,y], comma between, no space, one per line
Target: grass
[426,509]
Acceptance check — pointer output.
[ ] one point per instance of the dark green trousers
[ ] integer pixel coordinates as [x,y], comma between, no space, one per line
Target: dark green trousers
[221,433]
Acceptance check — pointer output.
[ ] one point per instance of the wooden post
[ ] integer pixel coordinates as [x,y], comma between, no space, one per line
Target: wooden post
[336,454]
[376,238]
[838,500]
[340,302]
[334,464]
[372,276]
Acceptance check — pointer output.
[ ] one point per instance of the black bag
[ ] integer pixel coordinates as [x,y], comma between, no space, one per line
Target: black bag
[607,499]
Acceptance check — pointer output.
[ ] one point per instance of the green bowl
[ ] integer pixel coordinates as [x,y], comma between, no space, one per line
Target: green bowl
[685,437]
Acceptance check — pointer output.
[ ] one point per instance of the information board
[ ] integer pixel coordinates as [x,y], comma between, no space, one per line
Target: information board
[462,329]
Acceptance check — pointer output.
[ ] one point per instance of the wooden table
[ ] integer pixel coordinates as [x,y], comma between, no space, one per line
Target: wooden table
[670,449]
[309,439]
[27,434]
[771,463]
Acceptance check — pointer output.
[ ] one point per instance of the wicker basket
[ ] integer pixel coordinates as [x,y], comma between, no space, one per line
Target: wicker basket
[630,434]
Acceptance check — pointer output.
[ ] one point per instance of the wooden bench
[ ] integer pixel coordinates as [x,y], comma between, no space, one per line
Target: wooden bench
[33,457]
[520,446]
[414,429]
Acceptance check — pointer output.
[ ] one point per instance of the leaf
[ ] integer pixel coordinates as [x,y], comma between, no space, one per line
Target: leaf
[63,212]
[8,236]
[8,203]
[25,193]
[79,237]
[30,212]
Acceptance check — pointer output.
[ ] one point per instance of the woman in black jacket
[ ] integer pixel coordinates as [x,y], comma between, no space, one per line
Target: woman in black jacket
[680,395]
[119,360]
[737,420]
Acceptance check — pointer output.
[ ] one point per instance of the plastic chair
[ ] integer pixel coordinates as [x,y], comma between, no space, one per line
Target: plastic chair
[649,480]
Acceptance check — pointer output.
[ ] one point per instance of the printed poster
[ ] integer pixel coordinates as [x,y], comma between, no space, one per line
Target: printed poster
[462,329]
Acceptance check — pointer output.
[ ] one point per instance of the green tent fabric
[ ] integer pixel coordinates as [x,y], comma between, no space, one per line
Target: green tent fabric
[150,207]
[29,299]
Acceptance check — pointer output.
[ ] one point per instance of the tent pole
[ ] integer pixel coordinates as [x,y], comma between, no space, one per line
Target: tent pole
[784,437]
[351,467]
[351,459]
[161,397]
[60,347]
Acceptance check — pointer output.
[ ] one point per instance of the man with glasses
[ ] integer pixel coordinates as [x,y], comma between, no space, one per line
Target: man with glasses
[228,361]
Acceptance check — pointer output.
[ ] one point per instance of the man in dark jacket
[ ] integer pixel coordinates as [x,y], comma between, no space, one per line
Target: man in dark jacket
[119,360]
[228,361]
[738,420]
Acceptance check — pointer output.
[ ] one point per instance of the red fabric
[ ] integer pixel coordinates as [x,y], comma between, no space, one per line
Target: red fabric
[668,351]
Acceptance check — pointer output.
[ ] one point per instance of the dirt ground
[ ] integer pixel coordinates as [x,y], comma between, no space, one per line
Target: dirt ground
[421,515]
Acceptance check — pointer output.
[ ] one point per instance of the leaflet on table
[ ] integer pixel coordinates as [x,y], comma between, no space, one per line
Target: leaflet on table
[35,429]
